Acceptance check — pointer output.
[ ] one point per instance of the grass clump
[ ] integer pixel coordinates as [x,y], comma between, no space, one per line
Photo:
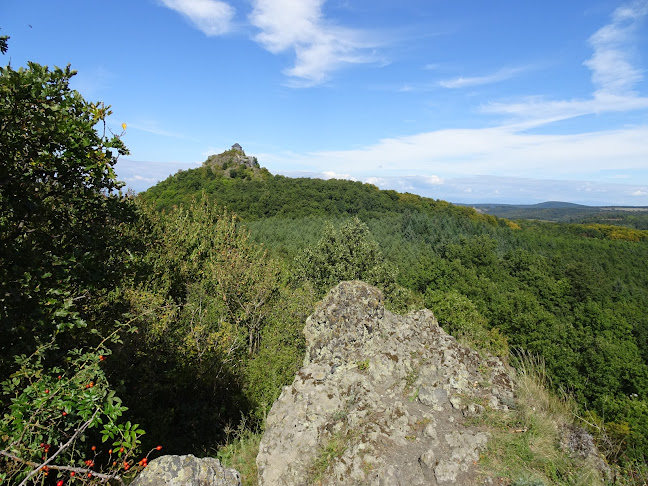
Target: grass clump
[525,448]
[240,453]
[327,454]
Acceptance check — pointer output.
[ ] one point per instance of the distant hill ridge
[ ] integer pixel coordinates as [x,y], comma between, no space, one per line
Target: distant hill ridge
[557,211]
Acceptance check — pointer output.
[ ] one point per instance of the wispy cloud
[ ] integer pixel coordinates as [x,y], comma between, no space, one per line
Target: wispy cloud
[153,128]
[505,150]
[611,63]
[542,111]
[93,82]
[320,46]
[613,75]
[212,17]
[443,156]
[511,190]
[140,175]
[329,174]
[496,77]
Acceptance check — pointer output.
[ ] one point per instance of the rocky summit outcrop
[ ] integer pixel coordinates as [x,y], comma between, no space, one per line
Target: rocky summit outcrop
[381,399]
[187,471]
[231,162]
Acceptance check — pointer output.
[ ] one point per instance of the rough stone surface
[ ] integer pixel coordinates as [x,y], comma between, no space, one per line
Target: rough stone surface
[579,443]
[232,159]
[187,471]
[381,399]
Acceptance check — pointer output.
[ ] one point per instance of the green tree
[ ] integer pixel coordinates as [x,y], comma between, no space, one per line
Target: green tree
[60,214]
[346,253]
[203,303]
[460,317]
[62,249]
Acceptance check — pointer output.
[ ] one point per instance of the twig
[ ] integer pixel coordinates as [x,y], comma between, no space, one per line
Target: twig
[79,470]
[61,449]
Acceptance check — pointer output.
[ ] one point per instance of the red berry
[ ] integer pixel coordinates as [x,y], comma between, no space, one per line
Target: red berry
[159,448]
[72,473]
[64,413]
[60,483]
[94,448]
[47,391]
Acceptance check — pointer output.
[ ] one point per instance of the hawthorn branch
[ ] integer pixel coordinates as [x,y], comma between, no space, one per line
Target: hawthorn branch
[38,467]
[78,470]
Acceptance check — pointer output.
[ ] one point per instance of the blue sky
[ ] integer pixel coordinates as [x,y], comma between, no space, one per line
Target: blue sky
[467,101]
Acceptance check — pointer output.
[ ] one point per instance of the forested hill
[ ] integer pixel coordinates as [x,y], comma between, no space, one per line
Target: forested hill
[574,294]
[256,194]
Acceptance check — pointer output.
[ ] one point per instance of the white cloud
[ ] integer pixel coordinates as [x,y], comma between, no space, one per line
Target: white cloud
[431,180]
[418,184]
[139,175]
[320,46]
[510,150]
[613,75]
[212,17]
[329,174]
[496,77]
[516,190]
[505,150]
[612,69]
[545,111]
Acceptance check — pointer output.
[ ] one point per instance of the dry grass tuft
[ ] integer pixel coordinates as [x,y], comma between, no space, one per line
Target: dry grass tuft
[525,448]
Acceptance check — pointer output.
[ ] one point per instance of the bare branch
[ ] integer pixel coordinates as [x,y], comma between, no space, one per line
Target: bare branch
[61,449]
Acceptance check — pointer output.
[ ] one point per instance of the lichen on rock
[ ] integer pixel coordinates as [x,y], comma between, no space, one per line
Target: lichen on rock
[187,471]
[380,399]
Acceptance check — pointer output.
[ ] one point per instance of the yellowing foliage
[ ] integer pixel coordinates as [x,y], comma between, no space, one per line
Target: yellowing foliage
[619,232]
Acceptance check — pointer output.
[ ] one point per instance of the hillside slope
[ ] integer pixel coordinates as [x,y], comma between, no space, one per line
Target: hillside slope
[388,399]
[574,294]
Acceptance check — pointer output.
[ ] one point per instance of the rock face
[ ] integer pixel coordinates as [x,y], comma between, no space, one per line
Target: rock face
[231,159]
[380,400]
[187,471]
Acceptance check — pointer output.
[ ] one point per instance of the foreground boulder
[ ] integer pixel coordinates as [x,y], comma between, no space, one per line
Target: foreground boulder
[380,400]
[187,471]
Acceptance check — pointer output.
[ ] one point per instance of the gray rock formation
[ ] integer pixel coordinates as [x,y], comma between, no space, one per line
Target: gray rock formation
[380,400]
[186,471]
[577,442]
[232,158]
